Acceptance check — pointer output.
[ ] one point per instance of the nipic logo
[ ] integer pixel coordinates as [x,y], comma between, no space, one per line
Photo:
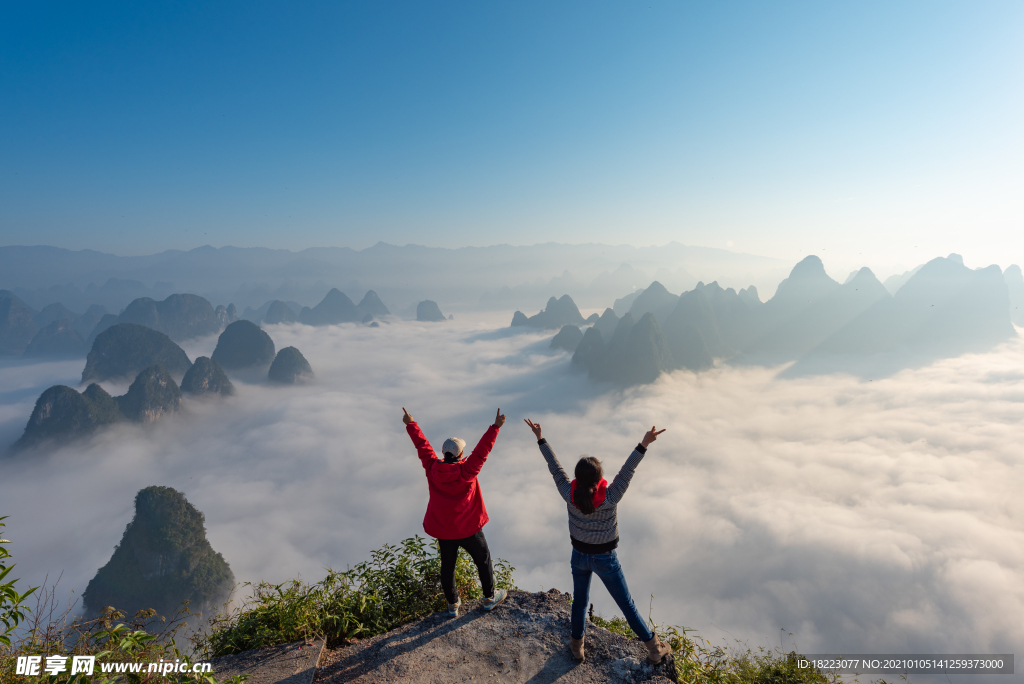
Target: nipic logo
[32,666]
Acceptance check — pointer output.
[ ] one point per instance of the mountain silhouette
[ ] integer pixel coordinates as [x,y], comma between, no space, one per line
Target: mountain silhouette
[57,339]
[62,414]
[152,395]
[279,312]
[608,366]
[206,377]
[816,322]
[807,283]
[734,312]
[289,367]
[17,324]
[180,316]
[53,312]
[427,310]
[655,299]
[691,332]
[242,345]
[590,350]
[943,310]
[557,313]
[646,354]
[606,323]
[334,308]
[568,338]
[126,349]
[86,323]
[372,304]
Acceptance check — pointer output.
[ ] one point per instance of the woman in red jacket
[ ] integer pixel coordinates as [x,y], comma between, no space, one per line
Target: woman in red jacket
[455,514]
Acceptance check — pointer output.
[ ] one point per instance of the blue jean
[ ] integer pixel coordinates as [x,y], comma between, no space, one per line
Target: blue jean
[606,566]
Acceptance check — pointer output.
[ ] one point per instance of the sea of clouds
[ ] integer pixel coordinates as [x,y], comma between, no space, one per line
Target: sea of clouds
[830,514]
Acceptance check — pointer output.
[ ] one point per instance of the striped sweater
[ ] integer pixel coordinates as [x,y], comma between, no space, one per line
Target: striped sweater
[597,532]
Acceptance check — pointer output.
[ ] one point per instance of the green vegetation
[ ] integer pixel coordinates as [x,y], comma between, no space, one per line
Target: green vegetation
[163,559]
[50,630]
[398,584]
[12,608]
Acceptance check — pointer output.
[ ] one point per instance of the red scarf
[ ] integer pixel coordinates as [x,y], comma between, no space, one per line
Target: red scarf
[599,493]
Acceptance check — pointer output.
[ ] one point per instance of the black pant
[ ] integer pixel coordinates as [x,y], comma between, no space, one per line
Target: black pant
[476,547]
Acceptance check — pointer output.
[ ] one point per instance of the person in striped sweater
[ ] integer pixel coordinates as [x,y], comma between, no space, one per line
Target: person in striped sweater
[594,532]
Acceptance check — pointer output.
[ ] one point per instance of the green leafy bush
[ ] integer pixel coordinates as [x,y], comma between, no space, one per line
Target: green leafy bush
[12,608]
[398,584]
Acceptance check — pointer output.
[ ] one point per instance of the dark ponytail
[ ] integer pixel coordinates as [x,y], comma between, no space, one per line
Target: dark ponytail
[588,475]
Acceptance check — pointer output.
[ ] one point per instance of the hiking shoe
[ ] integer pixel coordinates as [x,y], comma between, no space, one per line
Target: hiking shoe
[499,596]
[453,608]
[656,650]
[576,648]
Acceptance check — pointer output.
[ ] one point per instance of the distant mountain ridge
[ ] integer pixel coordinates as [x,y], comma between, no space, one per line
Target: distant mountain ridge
[399,274]
[943,309]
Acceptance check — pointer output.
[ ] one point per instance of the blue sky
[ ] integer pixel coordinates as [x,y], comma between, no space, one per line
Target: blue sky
[876,131]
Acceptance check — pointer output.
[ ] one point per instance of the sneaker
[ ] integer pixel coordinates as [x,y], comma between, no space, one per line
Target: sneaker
[499,596]
[453,608]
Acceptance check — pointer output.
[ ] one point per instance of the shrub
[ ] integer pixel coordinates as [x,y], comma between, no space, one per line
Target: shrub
[398,584]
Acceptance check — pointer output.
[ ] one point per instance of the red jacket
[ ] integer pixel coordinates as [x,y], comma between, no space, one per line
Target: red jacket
[456,508]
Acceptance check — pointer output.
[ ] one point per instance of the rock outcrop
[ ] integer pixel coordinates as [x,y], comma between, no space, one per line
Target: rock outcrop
[151,396]
[62,414]
[206,377]
[180,316]
[279,312]
[519,318]
[56,340]
[525,639]
[126,349]
[372,305]
[242,345]
[568,338]
[162,560]
[334,308]
[427,310]
[290,367]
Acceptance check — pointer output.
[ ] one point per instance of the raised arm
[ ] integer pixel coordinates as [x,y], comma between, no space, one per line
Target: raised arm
[423,448]
[476,459]
[554,467]
[621,482]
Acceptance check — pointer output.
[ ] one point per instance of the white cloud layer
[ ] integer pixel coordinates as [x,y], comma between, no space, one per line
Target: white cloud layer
[861,516]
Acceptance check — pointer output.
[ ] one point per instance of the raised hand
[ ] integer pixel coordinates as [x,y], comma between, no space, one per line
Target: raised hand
[535,427]
[407,418]
[499,419]
[651,435]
